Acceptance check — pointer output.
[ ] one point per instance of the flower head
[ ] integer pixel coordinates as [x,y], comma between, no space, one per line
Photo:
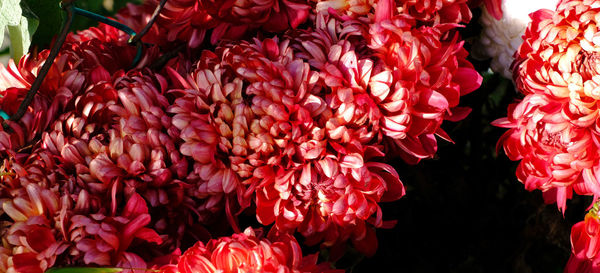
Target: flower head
[260,125]
[556,156]
[554,129]
[248,252]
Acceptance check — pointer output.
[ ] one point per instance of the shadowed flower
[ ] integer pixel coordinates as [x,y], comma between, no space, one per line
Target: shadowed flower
[237,17]
[179,20]
[112,147]
[103,240]
[59,86]
[76,66]
[30,202]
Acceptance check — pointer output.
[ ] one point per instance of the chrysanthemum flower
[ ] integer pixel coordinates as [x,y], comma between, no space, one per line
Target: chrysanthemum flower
[417,82]
[30,200]
[555,126]
[92,175]
[556,156]
[53,221]
[119,138]
[248,252]
[259,124]
[501,38]
[75,67]
[585,251]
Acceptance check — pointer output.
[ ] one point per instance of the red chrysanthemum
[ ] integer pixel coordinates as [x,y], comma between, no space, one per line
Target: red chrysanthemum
[248,252]
[417,82]
[54,221]
[259,124]
[556,156]
[554,129]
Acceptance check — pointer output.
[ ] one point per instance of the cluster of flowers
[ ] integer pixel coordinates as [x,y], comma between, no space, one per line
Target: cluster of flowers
[121,166]
[554,129]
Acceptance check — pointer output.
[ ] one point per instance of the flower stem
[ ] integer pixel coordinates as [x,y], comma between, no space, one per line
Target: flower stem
[104,20]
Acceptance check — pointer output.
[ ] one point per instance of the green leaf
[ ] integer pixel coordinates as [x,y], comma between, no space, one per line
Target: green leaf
[50,20]
[84,270]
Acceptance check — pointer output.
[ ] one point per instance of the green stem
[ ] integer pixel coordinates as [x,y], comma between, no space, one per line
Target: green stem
[104,20]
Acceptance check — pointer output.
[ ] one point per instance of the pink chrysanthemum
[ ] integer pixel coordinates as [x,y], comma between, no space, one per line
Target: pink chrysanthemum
[248,252]
[426,12]
[260,125]
[74,68]
[353,8]
[554,129]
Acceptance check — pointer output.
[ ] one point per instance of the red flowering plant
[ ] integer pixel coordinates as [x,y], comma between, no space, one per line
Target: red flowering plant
[126,153]
[553,130]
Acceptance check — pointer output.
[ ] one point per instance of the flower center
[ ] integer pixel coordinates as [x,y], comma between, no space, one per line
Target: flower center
[589,64]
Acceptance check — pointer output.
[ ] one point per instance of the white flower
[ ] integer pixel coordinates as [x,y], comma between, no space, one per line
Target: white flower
[501,38]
